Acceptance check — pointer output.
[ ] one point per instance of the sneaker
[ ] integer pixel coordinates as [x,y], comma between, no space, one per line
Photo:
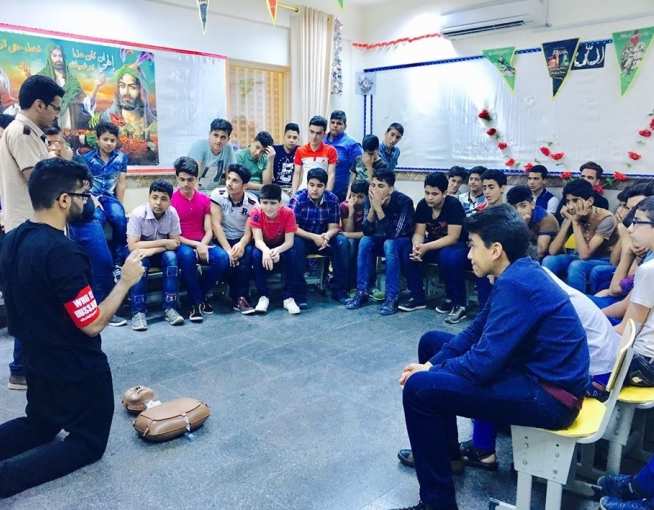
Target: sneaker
[445,306]
[411,305]
[139,322]
[117,321]
[341,297]
[291,306]
[304,305]
[206,308]
[262,305]
[419,506]
[17,382]
[388,307]
[405,455]
[195,315]
[457,314]
[173,317]
[377,295]
[617,486]
[611,503]
[243,306]
[359,299]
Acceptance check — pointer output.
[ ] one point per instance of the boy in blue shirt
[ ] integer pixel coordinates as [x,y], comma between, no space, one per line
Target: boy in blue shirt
[108,165]
[523,361]
[348,150]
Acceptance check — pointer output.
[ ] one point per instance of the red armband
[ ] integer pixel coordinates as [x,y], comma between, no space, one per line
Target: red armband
[83,308]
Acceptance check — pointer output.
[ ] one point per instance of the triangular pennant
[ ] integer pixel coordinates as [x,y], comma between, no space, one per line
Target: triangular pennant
[272,9]
[630,48]
[203,7]
[502,58]
[340,2]
[559,56]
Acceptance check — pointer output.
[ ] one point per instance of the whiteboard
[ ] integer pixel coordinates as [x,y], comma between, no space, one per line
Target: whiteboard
[588,119]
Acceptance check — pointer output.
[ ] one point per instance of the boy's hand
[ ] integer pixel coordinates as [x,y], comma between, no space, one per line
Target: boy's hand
[270,152]
[267,262]
[171,244]
[203,253]
[411,369]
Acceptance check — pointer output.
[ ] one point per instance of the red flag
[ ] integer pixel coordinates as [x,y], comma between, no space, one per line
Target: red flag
[272,9]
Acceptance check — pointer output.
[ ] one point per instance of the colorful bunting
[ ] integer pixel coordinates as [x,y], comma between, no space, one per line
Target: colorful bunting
[559,56]
[590,55]
[630,48]
[502,58]
[203,7]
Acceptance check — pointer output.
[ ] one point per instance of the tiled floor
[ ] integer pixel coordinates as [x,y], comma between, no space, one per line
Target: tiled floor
[307,414]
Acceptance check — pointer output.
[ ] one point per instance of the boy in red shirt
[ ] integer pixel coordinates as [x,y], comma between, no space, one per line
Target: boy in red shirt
[194,210]
[273,227]
[315,154]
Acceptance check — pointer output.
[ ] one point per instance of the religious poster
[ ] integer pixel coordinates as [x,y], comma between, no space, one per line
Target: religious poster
[631,47]
[366,84]
[590,55]
[101,83]
[559,56]
[502,59]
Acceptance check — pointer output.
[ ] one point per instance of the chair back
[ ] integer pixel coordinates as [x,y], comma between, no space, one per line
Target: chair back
[626,342]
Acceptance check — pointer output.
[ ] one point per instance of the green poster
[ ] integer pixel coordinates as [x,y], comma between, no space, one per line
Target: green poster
[502,58]
[630,48]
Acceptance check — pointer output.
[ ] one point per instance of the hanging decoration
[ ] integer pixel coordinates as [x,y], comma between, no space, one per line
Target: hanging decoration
[630,48]
[487,119]
[340,2]
[337,61]
[203,9]
[559,56]
[502,59]
[590,55]
[272,9]
[394,42]
[366,83]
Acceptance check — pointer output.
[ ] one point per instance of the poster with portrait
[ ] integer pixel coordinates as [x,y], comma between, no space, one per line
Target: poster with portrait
[101,83]
[559,56]
[631,47]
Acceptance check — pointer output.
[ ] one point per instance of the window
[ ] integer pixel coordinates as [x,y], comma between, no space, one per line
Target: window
[257,100]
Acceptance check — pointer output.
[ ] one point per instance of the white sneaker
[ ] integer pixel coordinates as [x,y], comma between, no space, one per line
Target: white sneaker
[262,305]
[291,306]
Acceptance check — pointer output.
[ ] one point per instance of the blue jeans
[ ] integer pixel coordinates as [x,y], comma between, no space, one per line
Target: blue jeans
[199,286]
[338,252]
[573,269]
[167,261]
[113,212]
[600,277]
[17,365]
[603,302]
[433,399]
[90,236]
[451,262]
[644,480]
[290,272]
[396,253]
[238,277]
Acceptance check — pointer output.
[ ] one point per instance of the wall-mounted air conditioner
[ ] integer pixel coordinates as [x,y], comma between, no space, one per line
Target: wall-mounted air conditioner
[494,16]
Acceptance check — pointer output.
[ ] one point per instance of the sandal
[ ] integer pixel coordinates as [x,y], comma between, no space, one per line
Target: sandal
[477,458]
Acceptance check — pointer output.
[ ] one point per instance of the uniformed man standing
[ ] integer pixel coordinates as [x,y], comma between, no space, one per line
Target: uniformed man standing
[22,146]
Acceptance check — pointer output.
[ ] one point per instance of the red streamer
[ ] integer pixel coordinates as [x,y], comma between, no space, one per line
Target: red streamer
[394,42]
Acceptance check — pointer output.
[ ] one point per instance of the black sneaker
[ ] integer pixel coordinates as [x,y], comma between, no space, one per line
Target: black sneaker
[196,314]
[388,307]
[444,306]
[405,455]
[419,506]
[411,305]
[206,308]
[457,314]
[474,457]
[359,299]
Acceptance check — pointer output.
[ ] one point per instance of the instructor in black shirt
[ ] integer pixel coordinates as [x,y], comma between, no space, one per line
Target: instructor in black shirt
[45,279]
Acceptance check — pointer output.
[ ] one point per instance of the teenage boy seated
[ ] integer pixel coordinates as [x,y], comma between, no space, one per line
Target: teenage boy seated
[592,172]
[281,172]
[389,151]
[230,209]
[154,229]
[523,361]
[594,232]
[318,217]
[313,154]
[273,227]
[438,237]
[536,183]
[387,230]
[628,492]
[215,154]
[109,168]
[641,303]
[474,200]
[352,216]
[369,162]
[493,182]
[257,157]
[194,210]
[456,177]
[542,225]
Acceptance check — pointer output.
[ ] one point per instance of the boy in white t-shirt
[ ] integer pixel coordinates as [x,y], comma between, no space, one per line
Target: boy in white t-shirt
[641,300]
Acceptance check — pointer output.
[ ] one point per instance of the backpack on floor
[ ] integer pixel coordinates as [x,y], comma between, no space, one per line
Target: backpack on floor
[171,419]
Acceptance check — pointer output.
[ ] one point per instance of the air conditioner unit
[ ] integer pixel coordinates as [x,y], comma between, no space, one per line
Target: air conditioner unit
[493,17]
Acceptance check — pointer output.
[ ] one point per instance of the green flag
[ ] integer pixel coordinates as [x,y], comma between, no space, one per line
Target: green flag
[502,58]
[630,48]
[340,2]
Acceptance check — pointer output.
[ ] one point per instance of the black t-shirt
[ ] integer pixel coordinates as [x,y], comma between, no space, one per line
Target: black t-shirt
[45,280]
[452,213]
[283,166]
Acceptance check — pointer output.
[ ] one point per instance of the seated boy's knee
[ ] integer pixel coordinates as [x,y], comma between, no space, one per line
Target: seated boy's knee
[433,341]
[578,266]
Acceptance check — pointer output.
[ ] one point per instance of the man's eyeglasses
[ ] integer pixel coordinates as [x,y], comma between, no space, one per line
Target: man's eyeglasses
[54,107]
[84,196]
[641,222]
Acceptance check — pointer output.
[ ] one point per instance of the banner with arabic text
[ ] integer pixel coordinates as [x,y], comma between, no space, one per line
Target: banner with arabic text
[631,47]
[502,59]
[559,56]
[590,55]
[101,83]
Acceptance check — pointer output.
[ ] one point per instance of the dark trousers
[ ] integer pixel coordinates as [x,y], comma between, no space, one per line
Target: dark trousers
[238,277]
[395,251]
[289,268]
[451,268]
[17,365]
[167,261]
[433,399]
[84,409]
[113,212]
[338,252]
[90,236]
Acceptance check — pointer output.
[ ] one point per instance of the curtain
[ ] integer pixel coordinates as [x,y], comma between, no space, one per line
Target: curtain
[312,36]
